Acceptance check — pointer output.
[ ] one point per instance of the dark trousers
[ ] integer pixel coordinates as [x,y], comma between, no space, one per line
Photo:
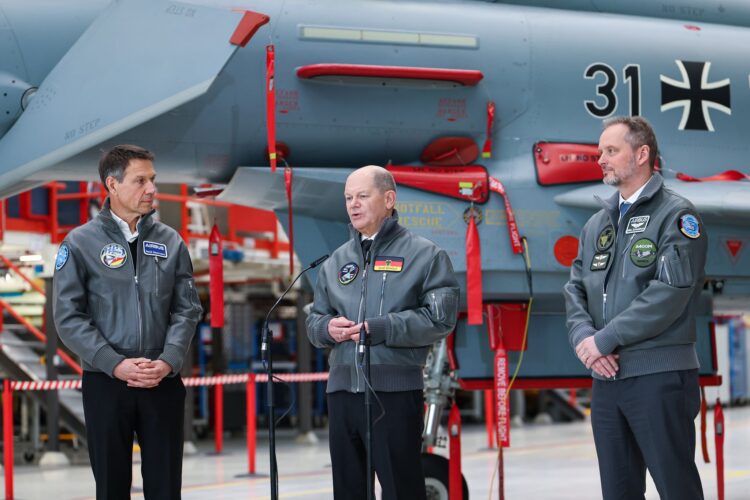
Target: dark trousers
[647,422]
[114,413]
[396,439]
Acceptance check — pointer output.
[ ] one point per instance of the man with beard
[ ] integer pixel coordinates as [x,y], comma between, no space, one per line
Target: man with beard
[630,304]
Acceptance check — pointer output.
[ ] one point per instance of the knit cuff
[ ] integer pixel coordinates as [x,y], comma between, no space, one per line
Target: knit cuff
[581,332]
[606,339]
[172,355]
[106,359]
[378,328]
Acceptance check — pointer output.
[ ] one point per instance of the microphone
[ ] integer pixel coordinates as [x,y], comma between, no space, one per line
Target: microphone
[266,334]
[317,262]
[363,298]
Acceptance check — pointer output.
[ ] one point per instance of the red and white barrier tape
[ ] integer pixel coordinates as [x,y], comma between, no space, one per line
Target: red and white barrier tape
[240,378]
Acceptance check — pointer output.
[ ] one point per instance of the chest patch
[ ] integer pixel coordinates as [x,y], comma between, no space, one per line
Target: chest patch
[113,255]
[605,239]
[637,224]
[600,261]
[388,264]
[155,249]
[62,257]
[348,273]
[689,226]
[643,252]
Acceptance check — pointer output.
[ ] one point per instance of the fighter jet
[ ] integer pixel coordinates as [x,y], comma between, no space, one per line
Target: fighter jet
[483,110]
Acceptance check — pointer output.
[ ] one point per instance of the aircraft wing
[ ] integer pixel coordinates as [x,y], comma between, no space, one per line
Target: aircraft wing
[311,194]
[138,60]
[724,201]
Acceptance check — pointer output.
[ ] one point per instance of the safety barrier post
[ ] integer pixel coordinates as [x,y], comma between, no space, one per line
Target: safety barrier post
[489,417]
[251,423]
[719,442]
[455,481]
[8,437]
[219,417]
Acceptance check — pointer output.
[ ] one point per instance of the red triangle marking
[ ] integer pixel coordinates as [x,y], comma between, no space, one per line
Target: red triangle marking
[734,246]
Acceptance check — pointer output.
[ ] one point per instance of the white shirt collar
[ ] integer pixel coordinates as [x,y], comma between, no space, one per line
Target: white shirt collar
[125,228]
[363,237]
[635,195]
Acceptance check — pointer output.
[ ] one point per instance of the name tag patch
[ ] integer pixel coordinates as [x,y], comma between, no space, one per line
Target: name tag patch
[643,252]
[600,261]
[113,255]
[637,224]
[388,264]
[348,273]
[155,249]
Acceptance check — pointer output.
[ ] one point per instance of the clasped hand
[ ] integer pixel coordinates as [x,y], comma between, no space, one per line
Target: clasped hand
[142,372]
[342,329]
[604,365]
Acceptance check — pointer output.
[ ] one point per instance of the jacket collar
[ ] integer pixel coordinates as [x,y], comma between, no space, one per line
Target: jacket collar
[611,205]
[105,217]
[389,230]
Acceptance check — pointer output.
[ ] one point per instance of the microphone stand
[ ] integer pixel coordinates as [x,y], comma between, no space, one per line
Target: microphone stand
[267,358]
[364,353]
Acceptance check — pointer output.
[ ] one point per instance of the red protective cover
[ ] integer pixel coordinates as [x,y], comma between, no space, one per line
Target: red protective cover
[247,27]
[462,76]
[464,183]
[565,163]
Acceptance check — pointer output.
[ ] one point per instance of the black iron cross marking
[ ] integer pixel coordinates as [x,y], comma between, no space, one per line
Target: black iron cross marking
[696,95]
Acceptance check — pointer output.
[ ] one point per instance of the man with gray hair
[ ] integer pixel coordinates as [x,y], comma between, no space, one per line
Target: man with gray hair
[408,302]
[630,302]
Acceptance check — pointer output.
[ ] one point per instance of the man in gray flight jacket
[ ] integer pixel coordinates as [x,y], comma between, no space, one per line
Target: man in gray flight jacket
[403,288]
[125,302]
[630,303]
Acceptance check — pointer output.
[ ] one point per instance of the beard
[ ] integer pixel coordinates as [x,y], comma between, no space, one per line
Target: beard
[612,179]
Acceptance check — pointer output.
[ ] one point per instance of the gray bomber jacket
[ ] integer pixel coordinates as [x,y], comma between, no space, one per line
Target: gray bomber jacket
[411,303]
[105,312]
[633,287]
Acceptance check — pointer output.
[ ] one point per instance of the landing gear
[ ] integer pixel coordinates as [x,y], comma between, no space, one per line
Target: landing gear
[436,477]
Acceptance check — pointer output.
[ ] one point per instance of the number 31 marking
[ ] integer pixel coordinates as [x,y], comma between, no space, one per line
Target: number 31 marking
[605,91]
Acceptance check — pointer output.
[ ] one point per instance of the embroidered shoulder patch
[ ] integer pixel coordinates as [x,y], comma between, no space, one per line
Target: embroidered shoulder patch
[637,224]
[155,249]
[62,256]
[388,264]
[605,238]
[643,252]
[348,273]
[113,255]
[689,226]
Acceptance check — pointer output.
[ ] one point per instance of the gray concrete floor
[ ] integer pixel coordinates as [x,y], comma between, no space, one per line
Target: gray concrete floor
[545,461]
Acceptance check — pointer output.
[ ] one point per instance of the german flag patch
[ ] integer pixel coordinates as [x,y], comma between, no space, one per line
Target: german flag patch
[389,264]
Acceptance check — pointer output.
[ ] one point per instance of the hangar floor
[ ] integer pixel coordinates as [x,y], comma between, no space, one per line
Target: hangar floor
[553,461]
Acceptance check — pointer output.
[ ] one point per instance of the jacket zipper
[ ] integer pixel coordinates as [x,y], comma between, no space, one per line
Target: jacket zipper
[382,294]
[665,269]
[436,307]
[158,272]
[360,319]
[138,305]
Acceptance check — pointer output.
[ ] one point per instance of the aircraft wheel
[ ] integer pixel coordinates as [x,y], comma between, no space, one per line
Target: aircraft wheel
[436,472]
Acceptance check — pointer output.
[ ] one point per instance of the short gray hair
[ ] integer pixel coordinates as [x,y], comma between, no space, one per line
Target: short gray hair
[114,162]
[383,180]
[641,133]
